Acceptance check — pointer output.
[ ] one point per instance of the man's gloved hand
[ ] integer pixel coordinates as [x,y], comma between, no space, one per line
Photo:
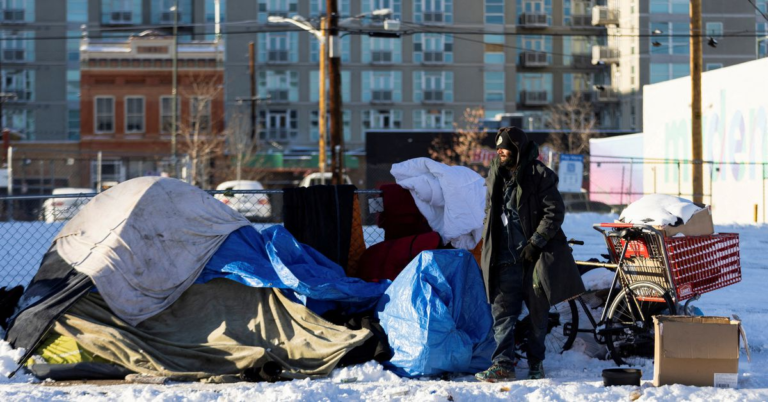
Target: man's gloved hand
[530,253]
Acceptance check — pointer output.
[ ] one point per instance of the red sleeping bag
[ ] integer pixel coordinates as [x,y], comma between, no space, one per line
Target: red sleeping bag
[386,259]
[400,217]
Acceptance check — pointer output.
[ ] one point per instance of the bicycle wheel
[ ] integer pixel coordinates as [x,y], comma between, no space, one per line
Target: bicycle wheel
[562,325]
[626,334]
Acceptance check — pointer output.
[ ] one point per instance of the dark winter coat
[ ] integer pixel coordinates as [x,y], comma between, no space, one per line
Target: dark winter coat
[541,210]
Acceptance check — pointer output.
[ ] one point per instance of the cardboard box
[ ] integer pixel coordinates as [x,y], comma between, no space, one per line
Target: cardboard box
[701,351]
[700,224]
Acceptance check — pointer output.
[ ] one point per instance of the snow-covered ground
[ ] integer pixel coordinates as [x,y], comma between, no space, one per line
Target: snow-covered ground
[571,376]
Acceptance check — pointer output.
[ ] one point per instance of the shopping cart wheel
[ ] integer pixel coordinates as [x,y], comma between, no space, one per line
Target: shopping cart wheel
[629,329]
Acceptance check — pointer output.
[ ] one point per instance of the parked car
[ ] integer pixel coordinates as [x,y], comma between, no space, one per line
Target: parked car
[62,209]
[316,178]
[252,206]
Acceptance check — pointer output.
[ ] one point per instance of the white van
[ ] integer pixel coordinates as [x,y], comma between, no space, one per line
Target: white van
[62,209]
[314,179]
[252,206]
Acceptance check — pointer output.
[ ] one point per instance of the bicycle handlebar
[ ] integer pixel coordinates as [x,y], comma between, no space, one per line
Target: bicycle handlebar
[576,242]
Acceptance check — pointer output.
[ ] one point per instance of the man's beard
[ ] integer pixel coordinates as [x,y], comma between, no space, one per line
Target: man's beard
[508,163]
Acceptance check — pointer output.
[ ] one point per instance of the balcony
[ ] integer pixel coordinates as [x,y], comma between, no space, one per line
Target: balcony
[13,55]
[534,20]
[607,94]
[605,54]
[434,17]
[582,61]
[381,96]
[533,59]
[276,133]
[432,57]
[13,16]
[581,20]
[277,56]
[433,96]
[534,98]
[121,17]
[381,57]
[279,96]
[167,17]
[585,95]
[604,15]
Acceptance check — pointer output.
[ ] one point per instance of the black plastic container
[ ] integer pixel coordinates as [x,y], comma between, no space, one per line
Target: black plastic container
[621,376]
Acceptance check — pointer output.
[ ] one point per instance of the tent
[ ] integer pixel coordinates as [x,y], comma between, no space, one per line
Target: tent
[157,277]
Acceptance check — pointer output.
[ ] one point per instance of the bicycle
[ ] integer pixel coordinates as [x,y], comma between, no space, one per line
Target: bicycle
[653,274]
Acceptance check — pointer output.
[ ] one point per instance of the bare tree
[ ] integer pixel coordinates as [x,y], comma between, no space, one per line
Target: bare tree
[465,145]
[201,133]
[244,162]
[573,122]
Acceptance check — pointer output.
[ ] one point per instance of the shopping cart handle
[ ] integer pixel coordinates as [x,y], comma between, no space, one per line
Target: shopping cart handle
[617,225]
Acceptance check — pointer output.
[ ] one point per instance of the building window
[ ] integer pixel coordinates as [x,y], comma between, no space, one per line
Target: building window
[382,119]
[20,120]
[17,46]
[666,71]
[381,50]
[669,6]
[280,8]
[278,125]
[134,114]
[713,66]
[210,10]
[368,6]
[432,48]
[166,114]
[494,49]
[280,86]
[314,49]
[673,40]
[314,86]
[433,119]
[15,11]
[279,47]
[714,29]
[433,11]
[317,8]
[121,12]
[200,114]
[433,86]
[314,125]
[105,114]
[494,86]
[494,12]
[534,89]
[73,125]
[382,86]
[20,83]
[162,13]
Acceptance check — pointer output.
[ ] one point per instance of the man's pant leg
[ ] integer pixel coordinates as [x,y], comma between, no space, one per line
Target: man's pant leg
[507,299]
[538,310]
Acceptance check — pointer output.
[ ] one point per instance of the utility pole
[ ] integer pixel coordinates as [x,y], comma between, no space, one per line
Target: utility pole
[174,89]
[696,142]
[323,107]
[252,72]
[334,95]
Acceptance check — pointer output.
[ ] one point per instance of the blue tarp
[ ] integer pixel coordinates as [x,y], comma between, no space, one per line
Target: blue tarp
[273,258]
[436,316]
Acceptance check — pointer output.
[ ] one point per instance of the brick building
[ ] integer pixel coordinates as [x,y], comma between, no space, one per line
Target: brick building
[127,108]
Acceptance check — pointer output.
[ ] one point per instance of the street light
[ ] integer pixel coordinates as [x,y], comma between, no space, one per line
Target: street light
[174,88]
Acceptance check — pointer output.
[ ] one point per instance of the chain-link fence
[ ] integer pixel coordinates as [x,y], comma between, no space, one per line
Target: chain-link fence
[23,243]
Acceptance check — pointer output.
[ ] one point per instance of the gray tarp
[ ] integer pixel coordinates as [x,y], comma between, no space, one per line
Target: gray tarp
[145,241]
[220,327]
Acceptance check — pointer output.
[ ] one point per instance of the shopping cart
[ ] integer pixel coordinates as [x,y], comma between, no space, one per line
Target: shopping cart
[653,275]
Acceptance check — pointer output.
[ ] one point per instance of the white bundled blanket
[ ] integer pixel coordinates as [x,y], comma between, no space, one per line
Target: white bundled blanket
[659,209]
[451,198]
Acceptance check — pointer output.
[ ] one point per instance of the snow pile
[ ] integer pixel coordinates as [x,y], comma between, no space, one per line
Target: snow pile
[659,209]
[368,372]
[8,359]
[598,278]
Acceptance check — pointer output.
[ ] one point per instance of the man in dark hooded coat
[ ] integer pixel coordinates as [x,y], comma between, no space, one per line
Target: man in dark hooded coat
[525,255]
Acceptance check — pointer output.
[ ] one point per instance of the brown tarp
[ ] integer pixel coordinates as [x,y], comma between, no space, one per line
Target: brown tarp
[221,327]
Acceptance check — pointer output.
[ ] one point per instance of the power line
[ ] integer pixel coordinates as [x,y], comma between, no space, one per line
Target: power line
[758,10]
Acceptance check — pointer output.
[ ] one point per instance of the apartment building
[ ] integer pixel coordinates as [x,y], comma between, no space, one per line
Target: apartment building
[648,43]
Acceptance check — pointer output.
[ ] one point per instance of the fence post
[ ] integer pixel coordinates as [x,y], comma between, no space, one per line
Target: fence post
[621,189]
[98,172]
[631,168]
[763,192]
[10,183]
[679,179]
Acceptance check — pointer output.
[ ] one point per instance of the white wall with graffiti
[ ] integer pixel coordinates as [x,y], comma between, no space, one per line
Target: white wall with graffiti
[735,139]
